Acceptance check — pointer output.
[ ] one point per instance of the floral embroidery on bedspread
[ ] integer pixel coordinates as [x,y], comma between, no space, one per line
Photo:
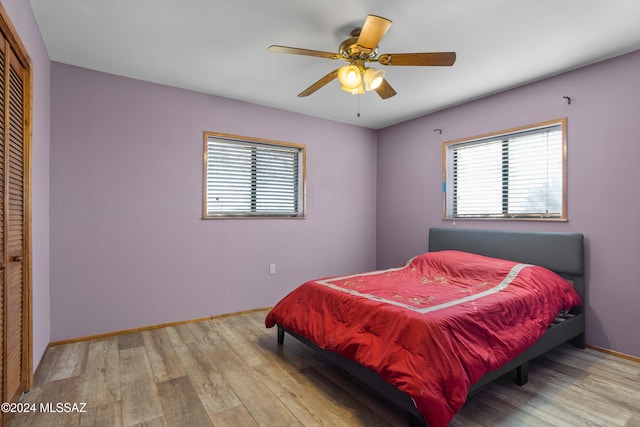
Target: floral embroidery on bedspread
[419,291]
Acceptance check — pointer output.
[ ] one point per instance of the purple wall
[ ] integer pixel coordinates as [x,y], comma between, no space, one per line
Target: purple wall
[21,16]
[603,151]
[128,247]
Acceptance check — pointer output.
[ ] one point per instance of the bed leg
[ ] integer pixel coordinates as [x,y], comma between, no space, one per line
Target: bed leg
[280,335]
[579,341]
[522,374]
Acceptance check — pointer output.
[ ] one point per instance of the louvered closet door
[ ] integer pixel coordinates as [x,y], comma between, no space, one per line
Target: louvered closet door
[12,228]
[3,292]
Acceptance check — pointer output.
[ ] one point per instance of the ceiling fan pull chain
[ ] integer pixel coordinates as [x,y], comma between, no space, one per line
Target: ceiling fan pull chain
[358,95]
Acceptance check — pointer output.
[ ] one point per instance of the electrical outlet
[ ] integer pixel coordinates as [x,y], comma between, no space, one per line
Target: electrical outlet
[272,269]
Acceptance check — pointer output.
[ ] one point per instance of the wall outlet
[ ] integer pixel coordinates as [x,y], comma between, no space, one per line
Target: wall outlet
[272,269]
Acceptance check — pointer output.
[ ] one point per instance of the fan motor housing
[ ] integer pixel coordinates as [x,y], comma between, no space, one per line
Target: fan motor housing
[350,50]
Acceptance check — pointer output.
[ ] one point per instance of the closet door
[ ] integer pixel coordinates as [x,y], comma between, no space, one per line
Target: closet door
[3,267]
[13,216]
[15,311]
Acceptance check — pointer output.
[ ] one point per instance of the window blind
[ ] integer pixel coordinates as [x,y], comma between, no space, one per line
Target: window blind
[514,175]
[248,178]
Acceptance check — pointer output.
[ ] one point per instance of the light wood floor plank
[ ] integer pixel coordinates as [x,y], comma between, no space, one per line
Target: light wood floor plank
[601,364]
[102,377]
[162,355]
[140,398]
[47,365]
[529,401]
[105,415]
[181,403]
[572,396]
[230,372]
[614,381]
[301,394]
[180,334]
[234,417]
[388,414]
[130,340]
[214,392]
[71,361]
[263,405]
[240,343]
[207,336]
[55,392]
[155,422]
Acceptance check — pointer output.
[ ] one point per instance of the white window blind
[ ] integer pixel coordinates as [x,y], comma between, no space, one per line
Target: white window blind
[519,174]
[252,178]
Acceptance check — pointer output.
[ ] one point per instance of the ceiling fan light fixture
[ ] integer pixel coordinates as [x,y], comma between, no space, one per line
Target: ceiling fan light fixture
[373,78]
[360,49]
[356,91]
[350,77]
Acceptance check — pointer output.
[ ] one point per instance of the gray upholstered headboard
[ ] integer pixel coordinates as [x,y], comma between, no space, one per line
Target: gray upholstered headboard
[560,252]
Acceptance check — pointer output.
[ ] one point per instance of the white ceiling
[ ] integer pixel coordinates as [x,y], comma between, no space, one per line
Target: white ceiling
[220,47]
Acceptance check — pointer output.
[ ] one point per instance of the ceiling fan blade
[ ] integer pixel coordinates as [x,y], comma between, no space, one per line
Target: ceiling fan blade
[306,52]
[373,29]
[432,58]
[320,83]
[385,90]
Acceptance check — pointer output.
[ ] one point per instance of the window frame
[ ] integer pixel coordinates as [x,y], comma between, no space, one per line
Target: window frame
[447,174]
[256,142]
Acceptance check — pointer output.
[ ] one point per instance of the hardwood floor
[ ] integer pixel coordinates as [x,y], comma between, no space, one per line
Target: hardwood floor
[231,372]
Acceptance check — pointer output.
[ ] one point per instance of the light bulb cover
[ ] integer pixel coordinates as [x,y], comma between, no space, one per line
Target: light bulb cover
[350,77]
[373,78]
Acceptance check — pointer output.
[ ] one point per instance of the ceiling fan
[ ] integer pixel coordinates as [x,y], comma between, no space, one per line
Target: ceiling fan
[360,49]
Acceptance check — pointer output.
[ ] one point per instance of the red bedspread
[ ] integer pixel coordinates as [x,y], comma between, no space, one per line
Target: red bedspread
[432,327]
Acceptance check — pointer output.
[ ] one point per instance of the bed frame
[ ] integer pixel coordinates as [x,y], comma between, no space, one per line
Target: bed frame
[560,252]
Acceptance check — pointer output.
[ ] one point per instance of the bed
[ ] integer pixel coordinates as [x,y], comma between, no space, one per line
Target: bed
[425,352]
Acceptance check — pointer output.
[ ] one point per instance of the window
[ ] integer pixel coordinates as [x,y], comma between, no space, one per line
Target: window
[249,177]
[514,174]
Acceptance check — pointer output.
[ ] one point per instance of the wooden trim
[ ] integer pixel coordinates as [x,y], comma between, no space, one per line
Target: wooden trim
[27,266]
[149,328]
[507,131]
[10,33]
[614,353]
